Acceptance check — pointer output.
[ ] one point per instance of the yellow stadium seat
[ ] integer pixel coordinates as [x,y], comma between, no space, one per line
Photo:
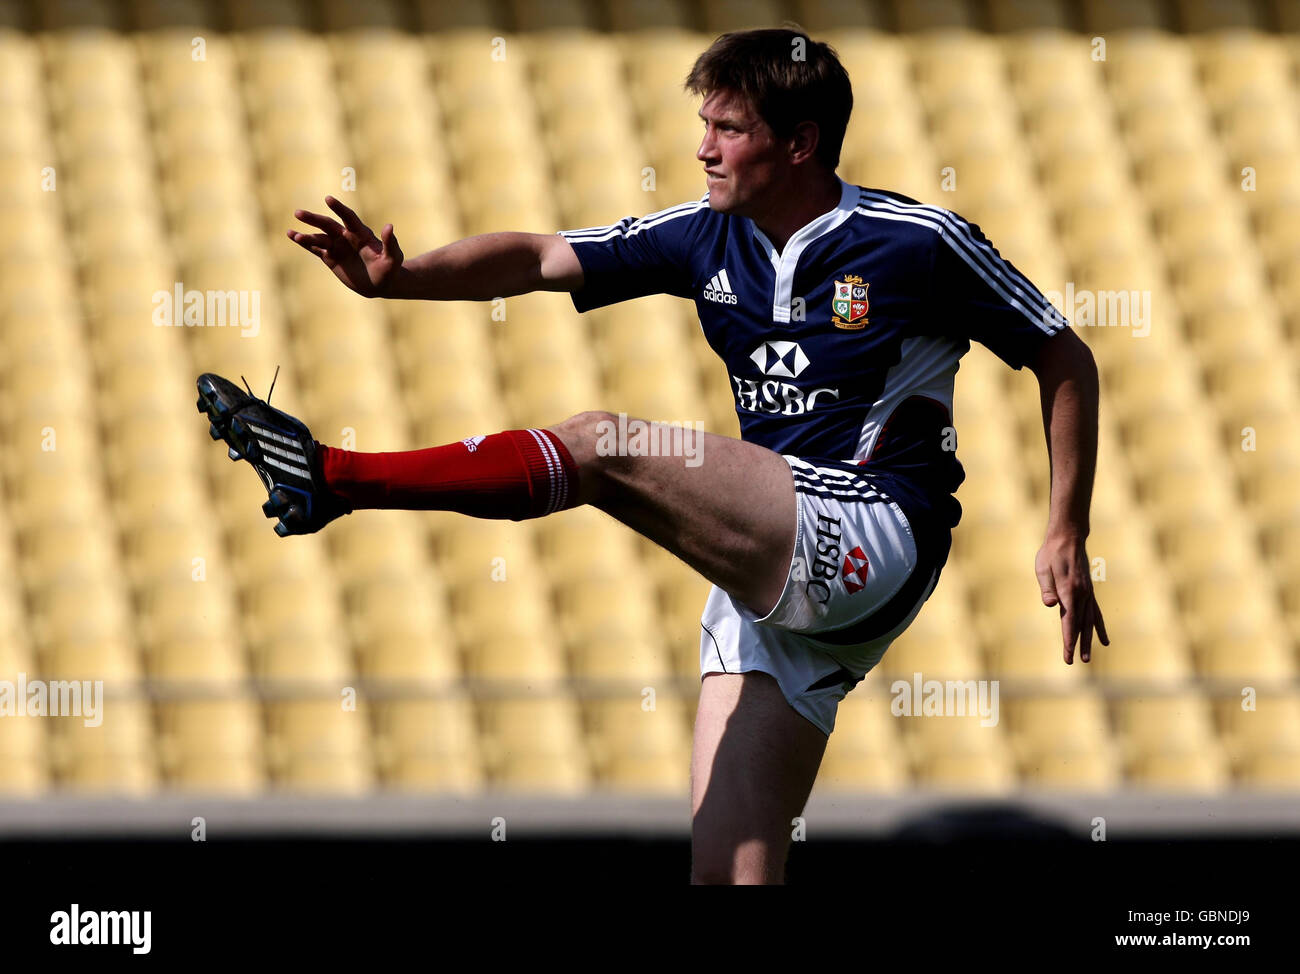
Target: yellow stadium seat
[932,15]
[591,607]
[1271,772]
[934,650]
[1183,772]
[989,775]
[637,743]
[1029,653]
[1236,64]
[24,768]
[1202,547]
[864,753]
[534,743]
[1025,15]
[68,611]
[1046,723]
[1221,603]
[518,657]
[427,745]
[1155,655]
[719,16]
[1263,655]
[648,15]
[1094,771]
[550,15]
[210,659]
[1179,721]
[1139,16]
[117,755]
[395,657]
[211,745]
[316,745]
[300,654]
[1262,128]
[621,654]
[469,548]
[477,614]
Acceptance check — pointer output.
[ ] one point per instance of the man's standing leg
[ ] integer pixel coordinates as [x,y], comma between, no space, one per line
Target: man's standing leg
[752,769]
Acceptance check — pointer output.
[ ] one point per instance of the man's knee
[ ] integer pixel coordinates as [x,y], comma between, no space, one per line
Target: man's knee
[582,434]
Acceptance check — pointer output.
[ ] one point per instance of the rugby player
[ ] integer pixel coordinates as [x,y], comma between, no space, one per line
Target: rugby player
[841,313]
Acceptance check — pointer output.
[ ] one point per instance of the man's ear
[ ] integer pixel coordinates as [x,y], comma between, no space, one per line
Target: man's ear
[803,144]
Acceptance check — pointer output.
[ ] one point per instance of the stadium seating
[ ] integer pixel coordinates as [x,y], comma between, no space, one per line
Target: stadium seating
[520,656]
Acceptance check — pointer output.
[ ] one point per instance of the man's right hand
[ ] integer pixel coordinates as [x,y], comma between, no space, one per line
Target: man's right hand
[367,264]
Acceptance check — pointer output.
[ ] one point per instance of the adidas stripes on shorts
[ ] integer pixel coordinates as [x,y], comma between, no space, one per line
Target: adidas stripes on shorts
[856,580]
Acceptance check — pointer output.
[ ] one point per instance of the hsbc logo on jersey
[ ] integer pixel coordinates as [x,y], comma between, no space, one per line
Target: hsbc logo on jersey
[779,359]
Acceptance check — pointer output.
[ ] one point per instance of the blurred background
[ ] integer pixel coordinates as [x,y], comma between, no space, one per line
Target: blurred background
[551,667]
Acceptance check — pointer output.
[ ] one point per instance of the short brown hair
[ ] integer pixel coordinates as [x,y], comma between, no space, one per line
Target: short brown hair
[785,89]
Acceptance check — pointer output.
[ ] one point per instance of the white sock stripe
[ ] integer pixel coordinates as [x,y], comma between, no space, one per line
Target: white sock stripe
[561,486]
[561,481]
[550,468]
[300,471]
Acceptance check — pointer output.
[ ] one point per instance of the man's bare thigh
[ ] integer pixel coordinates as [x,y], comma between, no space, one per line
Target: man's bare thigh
[730,516]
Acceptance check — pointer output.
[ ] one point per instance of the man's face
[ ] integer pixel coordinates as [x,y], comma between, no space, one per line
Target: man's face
[743,161]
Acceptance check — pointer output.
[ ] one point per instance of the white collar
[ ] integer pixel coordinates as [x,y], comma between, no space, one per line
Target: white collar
[819,226]
[785,262]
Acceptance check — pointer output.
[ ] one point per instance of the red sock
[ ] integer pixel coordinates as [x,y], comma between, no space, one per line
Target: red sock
[517,474]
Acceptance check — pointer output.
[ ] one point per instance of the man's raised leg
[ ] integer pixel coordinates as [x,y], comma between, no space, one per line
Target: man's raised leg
[731,517]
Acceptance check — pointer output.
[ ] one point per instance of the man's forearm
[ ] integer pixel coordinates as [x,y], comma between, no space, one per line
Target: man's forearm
[1068,390]
[479,268]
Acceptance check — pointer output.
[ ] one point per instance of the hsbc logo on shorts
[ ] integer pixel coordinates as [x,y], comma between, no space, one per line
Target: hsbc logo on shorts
[779,360]
[855,571]
[826,566]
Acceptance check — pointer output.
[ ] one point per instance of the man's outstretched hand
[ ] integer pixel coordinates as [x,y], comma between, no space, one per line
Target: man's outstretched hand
[365,263]
[1066,580]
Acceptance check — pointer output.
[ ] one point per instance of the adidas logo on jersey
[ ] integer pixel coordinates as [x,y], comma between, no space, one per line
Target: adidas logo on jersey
[719,289]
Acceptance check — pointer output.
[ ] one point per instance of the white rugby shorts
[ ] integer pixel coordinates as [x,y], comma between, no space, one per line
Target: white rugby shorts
[856,580]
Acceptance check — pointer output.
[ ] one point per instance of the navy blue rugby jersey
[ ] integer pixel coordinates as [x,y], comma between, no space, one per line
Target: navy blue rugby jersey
[841,348]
